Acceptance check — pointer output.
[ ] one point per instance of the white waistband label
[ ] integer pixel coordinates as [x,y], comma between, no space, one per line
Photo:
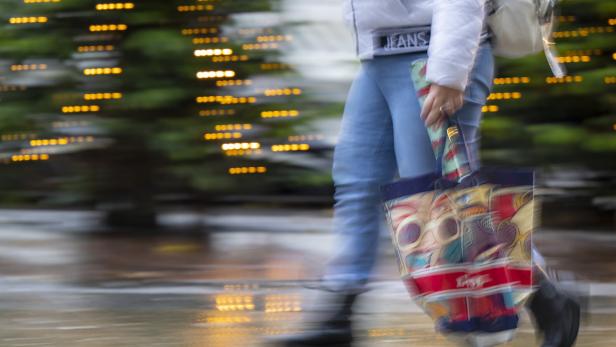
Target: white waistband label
[401,40]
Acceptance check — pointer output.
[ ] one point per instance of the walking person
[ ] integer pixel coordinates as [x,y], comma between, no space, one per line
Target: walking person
[383,136]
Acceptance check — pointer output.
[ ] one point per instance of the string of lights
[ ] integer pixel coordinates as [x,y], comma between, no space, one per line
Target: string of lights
[216,112]
[222,136]
[295,147]
[243,170]
[511,80]
[279,114]
[28,20]
[489,108]
[565,79]
[505,96]
[115,6]
[102,96]
[230,83]
[226,99]
[281,92]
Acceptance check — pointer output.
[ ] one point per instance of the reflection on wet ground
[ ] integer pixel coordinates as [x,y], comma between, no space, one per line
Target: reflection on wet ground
[66,287]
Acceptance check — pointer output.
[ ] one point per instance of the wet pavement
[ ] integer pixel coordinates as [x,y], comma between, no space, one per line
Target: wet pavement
[237,278]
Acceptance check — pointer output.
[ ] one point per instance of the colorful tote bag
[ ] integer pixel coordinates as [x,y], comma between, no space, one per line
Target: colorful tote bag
[463,239]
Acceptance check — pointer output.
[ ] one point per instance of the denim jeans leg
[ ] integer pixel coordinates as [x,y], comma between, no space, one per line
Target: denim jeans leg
[363,161]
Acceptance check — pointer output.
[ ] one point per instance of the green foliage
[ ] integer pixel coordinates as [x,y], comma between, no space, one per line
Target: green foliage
[14,116]
[150,139]
[558,135]
[601,143]
[158,45]
[569,122]
[153,98]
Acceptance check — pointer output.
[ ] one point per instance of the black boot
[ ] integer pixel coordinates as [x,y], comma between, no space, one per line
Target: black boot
[557,315]
[333,329]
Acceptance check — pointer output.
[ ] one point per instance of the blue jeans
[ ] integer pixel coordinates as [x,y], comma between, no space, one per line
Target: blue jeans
[383,136]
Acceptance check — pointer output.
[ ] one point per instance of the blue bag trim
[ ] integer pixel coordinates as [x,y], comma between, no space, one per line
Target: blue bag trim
[478,324]
[409,186]
[430,182]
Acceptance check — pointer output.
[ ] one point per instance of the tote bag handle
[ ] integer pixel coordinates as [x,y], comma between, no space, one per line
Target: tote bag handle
[450,149]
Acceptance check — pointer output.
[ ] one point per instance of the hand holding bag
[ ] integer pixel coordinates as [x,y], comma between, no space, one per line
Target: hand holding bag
[463,239]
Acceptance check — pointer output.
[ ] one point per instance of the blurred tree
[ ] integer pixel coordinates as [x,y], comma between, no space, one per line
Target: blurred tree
[559,118]
[127,106]
[565,126]
[153,101]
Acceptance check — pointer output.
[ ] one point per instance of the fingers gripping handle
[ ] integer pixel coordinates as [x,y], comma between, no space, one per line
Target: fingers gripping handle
[447,141]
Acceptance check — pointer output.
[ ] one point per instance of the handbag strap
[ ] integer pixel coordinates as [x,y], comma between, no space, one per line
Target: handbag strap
[447,140]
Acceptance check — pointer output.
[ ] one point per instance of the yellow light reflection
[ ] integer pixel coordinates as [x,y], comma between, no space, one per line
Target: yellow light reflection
[512,80]
[95,48]
[209,40]
[215,112]
[195,8]
[259,46]
[565,79]
[281,92]
[228,127]
[28,20]
[230,302]
[61,141]
[28,67]
[102,96]
[17,137]
[215,74]
[247,170]
[241,152]
[102,71]
[80,108]
[274,66]
[115,6]
[196,31]
[295,147]
[505,96]
[240,145]
[225,99]
[29,157]
[279,113]
[489,108]
[282,303]
[583,32]
[213,52]
[230,58]
[231,83]
[108,27]
[274,38]
[574,59]
[222,136]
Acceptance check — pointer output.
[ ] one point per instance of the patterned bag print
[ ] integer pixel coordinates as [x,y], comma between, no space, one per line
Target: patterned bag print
[463,239]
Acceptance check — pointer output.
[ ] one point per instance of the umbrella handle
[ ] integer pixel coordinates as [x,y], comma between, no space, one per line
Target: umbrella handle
[447,140]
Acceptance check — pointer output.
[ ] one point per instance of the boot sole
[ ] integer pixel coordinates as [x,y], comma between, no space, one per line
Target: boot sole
[308,341]
[574,326]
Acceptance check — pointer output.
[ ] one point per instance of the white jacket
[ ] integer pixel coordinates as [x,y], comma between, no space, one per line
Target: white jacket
[456,29]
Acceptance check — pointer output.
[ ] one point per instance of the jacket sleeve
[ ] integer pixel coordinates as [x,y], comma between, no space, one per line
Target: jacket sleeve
[456,29]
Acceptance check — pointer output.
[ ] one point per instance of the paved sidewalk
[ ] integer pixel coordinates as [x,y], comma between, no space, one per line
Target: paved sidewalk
[63,285]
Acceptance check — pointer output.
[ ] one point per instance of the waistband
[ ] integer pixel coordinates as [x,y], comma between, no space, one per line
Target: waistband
[401,40]
[414,39]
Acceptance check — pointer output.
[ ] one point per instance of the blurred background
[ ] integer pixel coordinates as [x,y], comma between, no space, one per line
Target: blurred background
[181,150]
[134,108]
